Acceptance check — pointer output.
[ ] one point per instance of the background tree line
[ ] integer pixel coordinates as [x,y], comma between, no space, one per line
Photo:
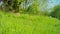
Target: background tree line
[37,7]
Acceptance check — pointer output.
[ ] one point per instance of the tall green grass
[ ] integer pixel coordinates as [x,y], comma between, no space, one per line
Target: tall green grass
[28,24]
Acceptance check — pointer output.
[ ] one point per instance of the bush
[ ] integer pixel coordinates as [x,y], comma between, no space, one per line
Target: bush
[56,12]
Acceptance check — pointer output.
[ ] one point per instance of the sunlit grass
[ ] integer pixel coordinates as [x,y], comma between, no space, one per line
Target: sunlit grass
[28,24]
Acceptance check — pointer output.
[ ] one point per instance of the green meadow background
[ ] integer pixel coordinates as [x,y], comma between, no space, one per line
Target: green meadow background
[29,17]
[28,24]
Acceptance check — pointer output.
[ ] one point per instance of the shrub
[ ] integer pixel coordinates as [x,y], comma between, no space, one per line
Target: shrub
[56,12]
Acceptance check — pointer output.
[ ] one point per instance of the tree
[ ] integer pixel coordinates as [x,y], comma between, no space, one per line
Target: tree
[15,5]
[35,6]
[56,12]
[11,5]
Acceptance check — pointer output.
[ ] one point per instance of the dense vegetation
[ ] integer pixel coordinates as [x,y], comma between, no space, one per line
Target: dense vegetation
[56,12]
[28,17]
[28,24]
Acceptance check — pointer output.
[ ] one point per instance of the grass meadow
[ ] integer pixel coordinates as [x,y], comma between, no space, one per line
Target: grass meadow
[28,24]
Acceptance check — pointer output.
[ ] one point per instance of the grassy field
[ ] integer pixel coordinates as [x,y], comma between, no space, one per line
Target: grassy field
[28,24]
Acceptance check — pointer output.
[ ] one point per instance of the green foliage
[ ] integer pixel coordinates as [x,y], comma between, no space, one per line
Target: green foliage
[46,13]
[33,9]
[28,24]
[10,5]
[56,12]
[21,6]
